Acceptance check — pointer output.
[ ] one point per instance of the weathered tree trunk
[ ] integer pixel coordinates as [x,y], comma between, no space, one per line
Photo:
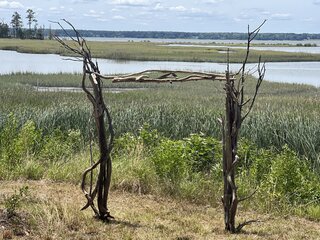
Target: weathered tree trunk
[231,125]
[104,176]
[105,146]
[105,136]
[230,140]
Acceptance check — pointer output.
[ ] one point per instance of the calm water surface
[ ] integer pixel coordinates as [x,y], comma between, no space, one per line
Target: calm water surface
[180,40]
[292,72]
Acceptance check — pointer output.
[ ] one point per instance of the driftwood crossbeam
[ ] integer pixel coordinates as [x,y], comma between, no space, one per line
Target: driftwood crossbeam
[164,76]
[235,103]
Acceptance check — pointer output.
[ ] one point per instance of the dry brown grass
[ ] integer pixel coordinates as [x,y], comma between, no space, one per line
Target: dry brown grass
[53,213]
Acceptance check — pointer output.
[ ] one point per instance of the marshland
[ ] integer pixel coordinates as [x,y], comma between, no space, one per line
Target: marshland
[167,168]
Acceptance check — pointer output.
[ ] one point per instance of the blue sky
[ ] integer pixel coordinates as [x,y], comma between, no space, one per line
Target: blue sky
[175,15]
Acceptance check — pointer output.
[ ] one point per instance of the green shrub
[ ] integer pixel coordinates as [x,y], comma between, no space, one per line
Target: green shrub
[60,145]
[17,144]
[150,137]
[8,136]
[291,180]
[125,144]
[13,202]
[200,152]
[169,162]
[25,153]
[27,140]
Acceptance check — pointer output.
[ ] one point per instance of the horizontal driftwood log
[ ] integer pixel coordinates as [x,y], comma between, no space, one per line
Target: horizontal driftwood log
[164,76]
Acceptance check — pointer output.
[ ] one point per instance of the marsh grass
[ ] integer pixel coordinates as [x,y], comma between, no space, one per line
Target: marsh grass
[283,114]
[148,51]
[280,144]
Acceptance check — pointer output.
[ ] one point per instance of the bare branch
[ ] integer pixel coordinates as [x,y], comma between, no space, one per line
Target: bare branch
[242,225]
[75,59]
[261,72]
[251,36]
[247,197]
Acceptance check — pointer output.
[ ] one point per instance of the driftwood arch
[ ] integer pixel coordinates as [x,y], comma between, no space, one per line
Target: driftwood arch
[230,123]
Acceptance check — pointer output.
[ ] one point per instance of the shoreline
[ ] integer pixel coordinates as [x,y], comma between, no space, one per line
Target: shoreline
[148,51]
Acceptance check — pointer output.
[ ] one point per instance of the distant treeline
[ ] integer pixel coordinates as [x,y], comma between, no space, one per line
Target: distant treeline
[190,35]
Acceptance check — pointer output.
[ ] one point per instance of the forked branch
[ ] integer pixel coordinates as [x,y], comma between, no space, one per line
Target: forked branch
[105,136]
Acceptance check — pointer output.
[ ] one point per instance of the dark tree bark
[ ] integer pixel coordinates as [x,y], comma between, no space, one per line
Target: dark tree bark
[231,125]
[105,135]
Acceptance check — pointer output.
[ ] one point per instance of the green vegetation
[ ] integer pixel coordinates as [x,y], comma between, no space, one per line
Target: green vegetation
[154,51]
[168,140]
[167,144]
[17,30]
[13,202]
[284,113]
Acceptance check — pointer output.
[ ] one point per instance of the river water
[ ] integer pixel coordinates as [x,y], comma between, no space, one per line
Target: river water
[14,62]
[202,41]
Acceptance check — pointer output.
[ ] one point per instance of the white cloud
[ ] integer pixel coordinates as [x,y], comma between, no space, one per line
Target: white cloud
[244,17]
[118,17]
[159,7]
[178,9]
[212,1]
[95,14]
[281,16]
[92,13]
[13,5]
[83,1]
[36,9]
[57,10]
[266,13]
[131,2]
[102,19]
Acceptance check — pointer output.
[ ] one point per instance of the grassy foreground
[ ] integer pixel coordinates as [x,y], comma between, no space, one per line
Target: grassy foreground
[148,51]
[51,211]
[167,147]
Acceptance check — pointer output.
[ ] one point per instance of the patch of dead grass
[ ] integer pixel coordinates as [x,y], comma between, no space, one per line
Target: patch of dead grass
[54,213]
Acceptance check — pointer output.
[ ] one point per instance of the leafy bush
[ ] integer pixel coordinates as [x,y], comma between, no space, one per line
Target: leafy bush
[22,148]
[125,144]
[150,137]
[200,152]
[17,144]
[169,162]
[60,145]
[13,202]
[283,180]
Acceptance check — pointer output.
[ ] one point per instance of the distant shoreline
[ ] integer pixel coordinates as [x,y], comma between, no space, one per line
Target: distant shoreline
[150,51]
[189,35]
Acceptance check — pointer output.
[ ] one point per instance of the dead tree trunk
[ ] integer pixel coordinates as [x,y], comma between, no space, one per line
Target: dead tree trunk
[231,125]
[105,135]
